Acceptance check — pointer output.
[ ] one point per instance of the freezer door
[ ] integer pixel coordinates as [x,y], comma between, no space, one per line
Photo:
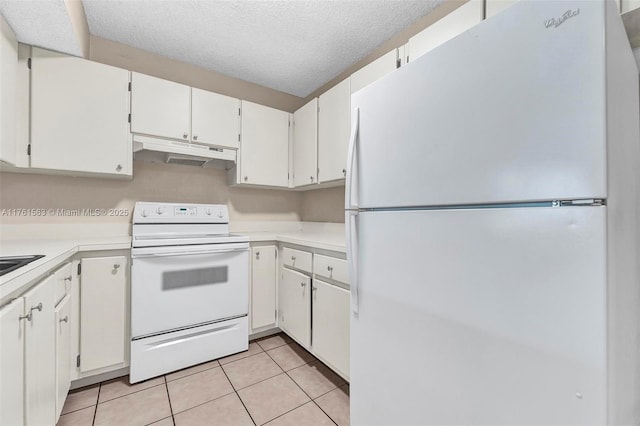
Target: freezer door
[508,111]
[480,316]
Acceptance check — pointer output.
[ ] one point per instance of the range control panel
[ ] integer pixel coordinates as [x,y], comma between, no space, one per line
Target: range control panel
[145,212]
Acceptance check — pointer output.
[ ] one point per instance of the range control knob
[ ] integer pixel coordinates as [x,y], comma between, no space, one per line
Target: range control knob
[160,210]
[208,212]
[220,215]
[144,213]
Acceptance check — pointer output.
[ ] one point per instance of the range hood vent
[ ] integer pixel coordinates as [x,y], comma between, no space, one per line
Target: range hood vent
[172,152]
[186,160]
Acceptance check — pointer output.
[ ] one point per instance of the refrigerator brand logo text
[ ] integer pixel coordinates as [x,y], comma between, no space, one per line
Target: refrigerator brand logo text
[556,22]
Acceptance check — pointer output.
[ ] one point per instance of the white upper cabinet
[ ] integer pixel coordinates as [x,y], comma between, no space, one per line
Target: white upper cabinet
[455,23]
[496,6]
[374,71]
[305,144]
[8,81]
[264,146]
[215,119]
[334,122]
[160,108]
[629,5]
[79,115]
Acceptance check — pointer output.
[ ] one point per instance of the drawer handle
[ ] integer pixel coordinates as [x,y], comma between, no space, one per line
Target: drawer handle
[330,268]
[65,319]
[303,285]
[68,278]
[38,307]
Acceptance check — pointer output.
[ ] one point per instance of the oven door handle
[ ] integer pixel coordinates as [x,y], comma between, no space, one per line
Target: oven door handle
[188,253]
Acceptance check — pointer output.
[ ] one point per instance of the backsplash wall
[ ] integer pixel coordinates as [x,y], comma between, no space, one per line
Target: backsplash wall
[151,182]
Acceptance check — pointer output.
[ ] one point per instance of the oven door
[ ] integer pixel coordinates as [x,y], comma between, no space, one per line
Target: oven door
[183,286]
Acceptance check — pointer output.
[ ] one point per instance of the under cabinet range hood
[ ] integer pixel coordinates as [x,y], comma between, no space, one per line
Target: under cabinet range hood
[172,152]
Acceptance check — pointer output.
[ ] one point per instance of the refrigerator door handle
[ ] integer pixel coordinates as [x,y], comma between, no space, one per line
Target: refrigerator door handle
[351,196]
[351,223]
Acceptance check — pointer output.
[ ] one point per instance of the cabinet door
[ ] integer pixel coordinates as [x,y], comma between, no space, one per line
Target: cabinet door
[63,352]
[334,123]
[103,311]
[263,286]
[374,71]
[8,82]
[264,146]
[12,363]
[160,107]
[496,6]
[331,325]
[40,354]
[79,115]
[294,306]
[305,144]
[629,5]
[455,23]
[215,119]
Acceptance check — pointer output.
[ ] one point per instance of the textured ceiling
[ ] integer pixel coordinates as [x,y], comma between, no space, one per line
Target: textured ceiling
[42,23]
[294,46]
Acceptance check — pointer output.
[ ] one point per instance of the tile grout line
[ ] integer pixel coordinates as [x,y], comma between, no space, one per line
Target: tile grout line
[238,395]
[122,396]
[191,374]
[166,387]
[95,408]
[300,387]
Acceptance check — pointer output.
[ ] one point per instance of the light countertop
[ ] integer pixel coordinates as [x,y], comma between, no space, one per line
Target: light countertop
[333,241]
[55,252]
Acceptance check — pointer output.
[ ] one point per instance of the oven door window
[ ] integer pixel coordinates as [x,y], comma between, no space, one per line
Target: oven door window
[175,280]
[176,290]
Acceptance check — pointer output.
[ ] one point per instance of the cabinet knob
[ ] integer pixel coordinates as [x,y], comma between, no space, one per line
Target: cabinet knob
[65,319]
[67,278]
[38,307]
[195,137]
[185,135]
[258,255]
[303,285]
[26,317]
[311,178]
[314,288]
[330,268]
[246,178]
[116,266]
[344,172]
[119,168]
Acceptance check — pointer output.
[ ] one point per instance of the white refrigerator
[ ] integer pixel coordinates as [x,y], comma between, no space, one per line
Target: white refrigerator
[492,213]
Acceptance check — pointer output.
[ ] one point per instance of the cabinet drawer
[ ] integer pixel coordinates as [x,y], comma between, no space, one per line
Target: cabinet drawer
[63,281]
[331,267]
[297,259]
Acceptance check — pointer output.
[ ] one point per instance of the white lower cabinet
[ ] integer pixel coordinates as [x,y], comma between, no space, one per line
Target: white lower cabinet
[63,352]
[104,335]
[331,325]
[39,354]
[263,287]
[294,306]
[12,363]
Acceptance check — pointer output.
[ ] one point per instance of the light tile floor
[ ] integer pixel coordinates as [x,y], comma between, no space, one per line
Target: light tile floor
[275,382]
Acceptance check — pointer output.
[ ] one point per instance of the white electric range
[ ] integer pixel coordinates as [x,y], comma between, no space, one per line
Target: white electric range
[189,287]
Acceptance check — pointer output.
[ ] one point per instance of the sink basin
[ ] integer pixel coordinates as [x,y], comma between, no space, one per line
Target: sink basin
[11,263]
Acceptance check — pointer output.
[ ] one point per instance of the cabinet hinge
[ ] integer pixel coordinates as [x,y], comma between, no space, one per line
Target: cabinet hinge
[29,63]
[239,111]
[238,137]
[79,268]
[29,149]
[129,118]
[318,171]
[398,63]
[129,86]
[78,361]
